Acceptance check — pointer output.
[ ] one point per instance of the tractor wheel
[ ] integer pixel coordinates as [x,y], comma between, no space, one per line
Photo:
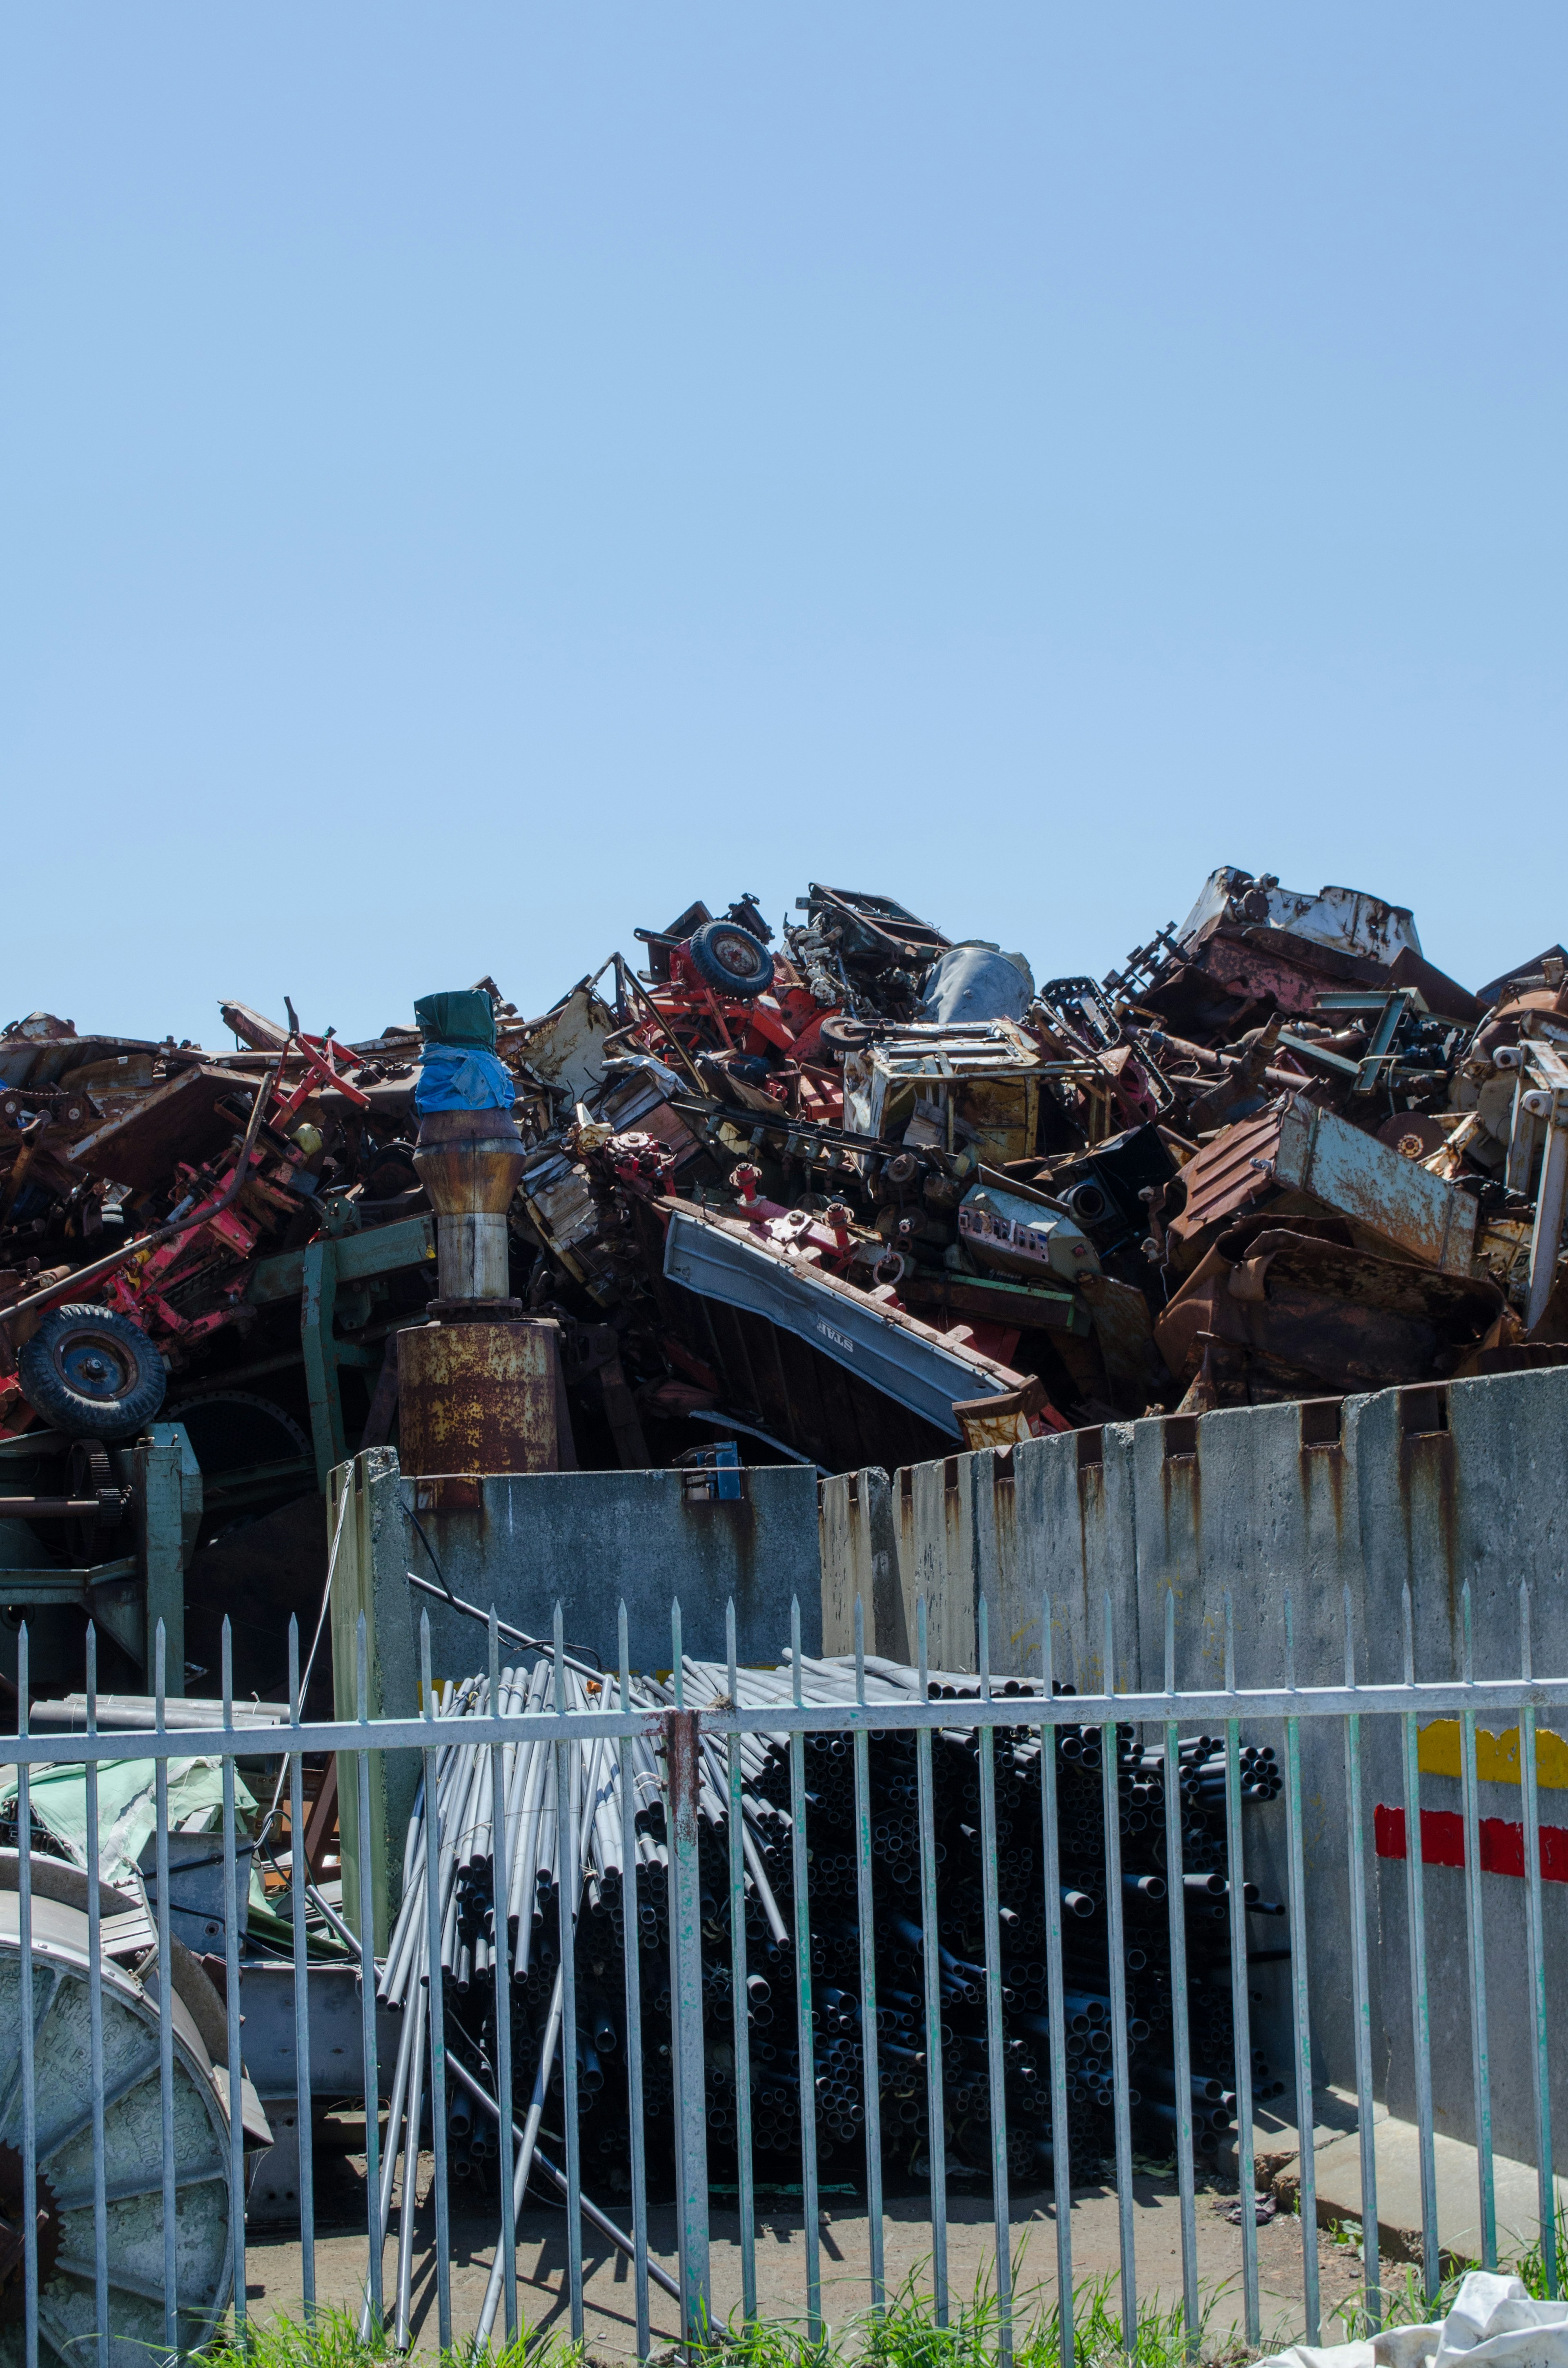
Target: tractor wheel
[731,959]
[92,1375]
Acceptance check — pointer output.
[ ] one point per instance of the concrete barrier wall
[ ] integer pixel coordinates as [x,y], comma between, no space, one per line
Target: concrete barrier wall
[1340,1503]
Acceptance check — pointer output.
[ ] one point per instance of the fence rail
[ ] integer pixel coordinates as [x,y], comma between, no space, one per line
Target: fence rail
[83,2290]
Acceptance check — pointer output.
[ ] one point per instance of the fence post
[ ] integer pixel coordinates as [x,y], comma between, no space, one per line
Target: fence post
[683,1759]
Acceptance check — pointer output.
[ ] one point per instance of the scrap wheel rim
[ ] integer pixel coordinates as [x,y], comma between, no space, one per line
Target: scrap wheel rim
[68,2323]
[739,954]
[13,2287]
[93,1363]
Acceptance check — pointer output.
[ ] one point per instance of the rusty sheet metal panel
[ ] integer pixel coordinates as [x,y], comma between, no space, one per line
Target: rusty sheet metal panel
[177,1121]
[1229,1175]
[1366,1180]
[478,1397]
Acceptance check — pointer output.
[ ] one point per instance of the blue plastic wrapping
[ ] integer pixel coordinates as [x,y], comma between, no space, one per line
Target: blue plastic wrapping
[460,1077]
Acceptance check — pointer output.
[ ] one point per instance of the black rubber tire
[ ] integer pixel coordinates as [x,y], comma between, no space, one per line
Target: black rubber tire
[730,958]
[92,1375]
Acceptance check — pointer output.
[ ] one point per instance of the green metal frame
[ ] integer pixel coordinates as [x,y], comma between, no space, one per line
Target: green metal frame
[318,1275]
[129,1596]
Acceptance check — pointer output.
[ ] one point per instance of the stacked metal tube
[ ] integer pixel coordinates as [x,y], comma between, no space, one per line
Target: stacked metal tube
[555,1882]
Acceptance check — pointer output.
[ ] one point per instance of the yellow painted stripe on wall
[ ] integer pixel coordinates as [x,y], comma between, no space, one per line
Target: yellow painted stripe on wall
[1497,1756]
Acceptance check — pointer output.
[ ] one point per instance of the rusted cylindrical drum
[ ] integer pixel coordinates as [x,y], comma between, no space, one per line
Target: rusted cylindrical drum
[478,1397]
[469,1162]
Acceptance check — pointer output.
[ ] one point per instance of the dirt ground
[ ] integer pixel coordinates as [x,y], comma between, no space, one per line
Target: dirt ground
[272,2265]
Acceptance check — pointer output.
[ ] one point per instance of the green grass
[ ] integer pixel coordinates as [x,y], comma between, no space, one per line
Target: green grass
[332,2340]
[904,2335]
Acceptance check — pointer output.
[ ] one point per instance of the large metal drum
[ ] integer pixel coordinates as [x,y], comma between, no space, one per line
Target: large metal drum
[133,2154]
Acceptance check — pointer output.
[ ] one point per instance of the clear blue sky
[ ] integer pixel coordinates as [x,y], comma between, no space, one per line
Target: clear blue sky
[473,478]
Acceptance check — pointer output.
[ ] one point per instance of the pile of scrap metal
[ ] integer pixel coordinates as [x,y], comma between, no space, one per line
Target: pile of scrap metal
[865,1194]
[853,1194]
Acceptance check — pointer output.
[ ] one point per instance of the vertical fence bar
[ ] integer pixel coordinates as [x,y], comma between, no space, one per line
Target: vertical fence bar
[96,2059]
[1306,2116]
[232,1911]
[1056,2009]
[367,1909]
[869,2061]
[501,1970]
[1475,1936]
[166,2010]
[1241,2016]
[740,1991]
[804,2039]
[408,2194]
[683,1759]
[677,1687]
[436,1994]
[1540,2058]
[1181,2037]
[1361,1991]
[568,1883]
[631,1938]
[1121,2073]
[27,2035]
[1420,2016]
[996,2041]
[935,2109]
[302,1991]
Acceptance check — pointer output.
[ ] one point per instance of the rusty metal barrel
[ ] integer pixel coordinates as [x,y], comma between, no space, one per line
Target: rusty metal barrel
[479,1396]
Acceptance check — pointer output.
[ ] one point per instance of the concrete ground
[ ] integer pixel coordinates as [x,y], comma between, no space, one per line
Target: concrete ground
[273,2264]
[1396,2145]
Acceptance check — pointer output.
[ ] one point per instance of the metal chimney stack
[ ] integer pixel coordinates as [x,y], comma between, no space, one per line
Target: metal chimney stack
[478,1386]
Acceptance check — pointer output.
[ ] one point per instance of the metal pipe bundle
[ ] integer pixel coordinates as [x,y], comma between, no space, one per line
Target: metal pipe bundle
[944,2009]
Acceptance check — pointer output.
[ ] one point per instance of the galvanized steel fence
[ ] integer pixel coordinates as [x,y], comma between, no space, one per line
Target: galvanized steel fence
[79,2261]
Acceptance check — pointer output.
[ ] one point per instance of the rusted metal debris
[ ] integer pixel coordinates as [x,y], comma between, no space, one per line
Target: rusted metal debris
[852,1193]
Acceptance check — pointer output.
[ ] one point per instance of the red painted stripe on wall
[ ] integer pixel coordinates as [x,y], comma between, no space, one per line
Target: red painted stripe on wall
[1502,1842]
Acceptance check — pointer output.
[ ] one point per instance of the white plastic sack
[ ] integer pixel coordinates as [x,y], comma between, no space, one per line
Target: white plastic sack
[1492,2324]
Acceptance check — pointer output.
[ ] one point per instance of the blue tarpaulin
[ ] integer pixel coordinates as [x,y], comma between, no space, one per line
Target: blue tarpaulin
[461,1077]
